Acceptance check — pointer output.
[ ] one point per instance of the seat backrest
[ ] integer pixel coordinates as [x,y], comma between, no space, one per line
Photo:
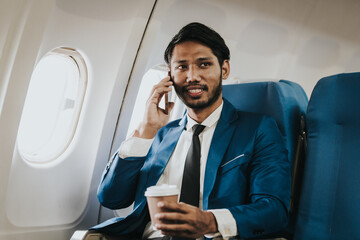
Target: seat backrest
[285,101]
[329,201]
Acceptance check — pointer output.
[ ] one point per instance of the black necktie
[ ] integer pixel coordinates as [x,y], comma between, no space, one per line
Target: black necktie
[190,188]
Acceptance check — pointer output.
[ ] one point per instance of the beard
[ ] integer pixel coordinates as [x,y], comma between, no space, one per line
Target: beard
[212,97]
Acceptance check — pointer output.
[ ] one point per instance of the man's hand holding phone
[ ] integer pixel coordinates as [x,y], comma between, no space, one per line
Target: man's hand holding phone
[155,116]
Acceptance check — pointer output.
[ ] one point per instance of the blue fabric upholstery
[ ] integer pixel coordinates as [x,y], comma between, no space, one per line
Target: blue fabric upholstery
[285,101]
[329,202]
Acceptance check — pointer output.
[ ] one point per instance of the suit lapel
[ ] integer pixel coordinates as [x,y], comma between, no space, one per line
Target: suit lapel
[166,148]
[221,139]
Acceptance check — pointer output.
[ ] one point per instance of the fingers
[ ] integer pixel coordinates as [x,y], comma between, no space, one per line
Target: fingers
[174,212]
[158,93]
[175,224]
[165,83]
[180,215]
[174,207]
[155,117]
[184,220]
[158,90]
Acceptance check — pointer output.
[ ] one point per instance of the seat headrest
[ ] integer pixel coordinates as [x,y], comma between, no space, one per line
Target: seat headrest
[335,98]
[285,101]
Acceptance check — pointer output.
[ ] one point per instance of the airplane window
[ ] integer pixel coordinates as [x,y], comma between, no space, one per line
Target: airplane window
[152,77]
[52,106]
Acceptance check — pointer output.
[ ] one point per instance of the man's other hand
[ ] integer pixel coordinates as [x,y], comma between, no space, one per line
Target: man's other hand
[184,220]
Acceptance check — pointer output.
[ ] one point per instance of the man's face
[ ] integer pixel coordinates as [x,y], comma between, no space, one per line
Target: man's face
[197,75]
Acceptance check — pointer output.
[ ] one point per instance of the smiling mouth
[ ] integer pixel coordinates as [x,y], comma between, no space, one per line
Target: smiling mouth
[195,91]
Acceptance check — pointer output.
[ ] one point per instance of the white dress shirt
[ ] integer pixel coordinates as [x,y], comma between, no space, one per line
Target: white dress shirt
[173,172]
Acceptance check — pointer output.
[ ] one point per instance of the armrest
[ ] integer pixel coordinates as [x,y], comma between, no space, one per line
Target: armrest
[87,235]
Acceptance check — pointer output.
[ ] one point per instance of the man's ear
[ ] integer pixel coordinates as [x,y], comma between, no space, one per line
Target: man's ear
[225,68]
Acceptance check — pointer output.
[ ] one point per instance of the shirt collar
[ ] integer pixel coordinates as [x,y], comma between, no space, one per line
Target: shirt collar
[212,119]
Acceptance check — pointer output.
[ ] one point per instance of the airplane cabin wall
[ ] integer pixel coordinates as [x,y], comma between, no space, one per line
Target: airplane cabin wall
[22,26]
[300,41]
[51,200]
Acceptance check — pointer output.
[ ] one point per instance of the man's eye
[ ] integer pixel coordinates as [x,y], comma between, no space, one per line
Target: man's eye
[181,67]
[205,64]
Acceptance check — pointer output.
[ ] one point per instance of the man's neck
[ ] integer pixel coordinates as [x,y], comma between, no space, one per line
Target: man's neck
[199,115]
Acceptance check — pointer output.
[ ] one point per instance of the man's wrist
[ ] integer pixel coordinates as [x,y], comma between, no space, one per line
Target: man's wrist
[211,223]
[145,131]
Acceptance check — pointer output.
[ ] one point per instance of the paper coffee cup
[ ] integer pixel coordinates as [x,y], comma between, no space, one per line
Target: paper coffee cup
[154,194]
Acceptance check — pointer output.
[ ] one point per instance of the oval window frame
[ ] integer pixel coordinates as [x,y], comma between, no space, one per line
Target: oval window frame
[79,61]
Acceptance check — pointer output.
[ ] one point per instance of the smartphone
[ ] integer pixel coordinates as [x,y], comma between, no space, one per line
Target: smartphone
[167,98]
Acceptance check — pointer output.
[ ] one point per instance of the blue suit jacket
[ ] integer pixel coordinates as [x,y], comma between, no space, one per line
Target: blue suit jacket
[247,172]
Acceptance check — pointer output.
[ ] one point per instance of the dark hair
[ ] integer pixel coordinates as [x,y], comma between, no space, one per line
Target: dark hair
[202,34]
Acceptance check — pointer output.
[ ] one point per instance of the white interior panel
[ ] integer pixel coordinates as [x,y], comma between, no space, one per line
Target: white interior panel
[59,195]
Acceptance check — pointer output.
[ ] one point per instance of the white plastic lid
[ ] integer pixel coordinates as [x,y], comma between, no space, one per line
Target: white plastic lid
[162,190]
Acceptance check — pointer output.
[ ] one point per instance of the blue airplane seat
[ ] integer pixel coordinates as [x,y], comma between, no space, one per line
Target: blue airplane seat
[329,199]
[286,102]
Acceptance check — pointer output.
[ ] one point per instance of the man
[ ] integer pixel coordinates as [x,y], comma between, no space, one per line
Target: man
[244,183]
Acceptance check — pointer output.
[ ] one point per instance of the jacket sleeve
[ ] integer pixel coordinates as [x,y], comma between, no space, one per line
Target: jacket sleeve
[119,182]
[118,185]
[269,185]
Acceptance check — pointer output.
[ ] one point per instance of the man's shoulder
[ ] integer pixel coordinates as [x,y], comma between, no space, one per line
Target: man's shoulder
[231,113]
[251,116]
[251,121]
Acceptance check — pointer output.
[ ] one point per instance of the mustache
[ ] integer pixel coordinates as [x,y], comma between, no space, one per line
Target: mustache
[203,86]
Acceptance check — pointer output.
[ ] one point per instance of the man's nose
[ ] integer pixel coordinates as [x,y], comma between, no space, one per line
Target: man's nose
[193,74]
